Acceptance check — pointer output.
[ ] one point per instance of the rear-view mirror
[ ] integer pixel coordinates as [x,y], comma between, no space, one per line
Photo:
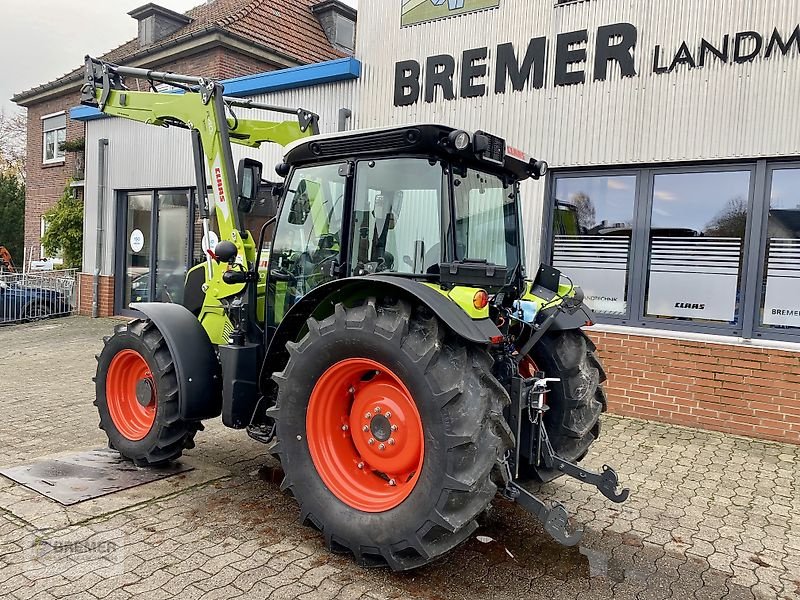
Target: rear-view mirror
[249,178]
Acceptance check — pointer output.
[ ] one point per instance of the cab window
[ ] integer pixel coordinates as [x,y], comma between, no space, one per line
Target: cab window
[307,240]
[397,216]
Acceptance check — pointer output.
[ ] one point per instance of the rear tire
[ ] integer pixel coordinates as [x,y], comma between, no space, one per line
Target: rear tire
[145,428]
[459,405]
[576,403]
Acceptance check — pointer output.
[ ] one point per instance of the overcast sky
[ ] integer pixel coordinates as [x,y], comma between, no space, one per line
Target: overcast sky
[40,40]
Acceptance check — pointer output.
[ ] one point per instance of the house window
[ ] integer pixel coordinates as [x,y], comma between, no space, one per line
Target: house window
[54,132]
[592,227]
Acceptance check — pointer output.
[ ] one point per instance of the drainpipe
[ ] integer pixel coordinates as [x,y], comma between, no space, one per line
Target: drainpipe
[344,115]
[102,146]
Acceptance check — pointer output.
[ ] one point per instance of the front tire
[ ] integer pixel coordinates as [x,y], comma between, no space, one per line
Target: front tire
[437,385]
[137,396]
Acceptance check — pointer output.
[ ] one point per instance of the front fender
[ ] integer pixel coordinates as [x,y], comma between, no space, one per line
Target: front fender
[196,365]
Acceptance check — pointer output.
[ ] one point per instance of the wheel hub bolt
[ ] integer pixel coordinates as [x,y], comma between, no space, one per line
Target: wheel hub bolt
[371,441]
[388,414]
[368,416]
[377,409]
[365,428]
[391,442]
[392,482]
[345,428]
[361,465]
[394,427]
[382,447]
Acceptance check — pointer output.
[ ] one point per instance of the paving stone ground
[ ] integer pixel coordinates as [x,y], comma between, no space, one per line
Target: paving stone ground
[710,516]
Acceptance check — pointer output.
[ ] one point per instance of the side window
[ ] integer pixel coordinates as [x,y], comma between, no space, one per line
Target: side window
[397,216]
[54,132]
[308,236]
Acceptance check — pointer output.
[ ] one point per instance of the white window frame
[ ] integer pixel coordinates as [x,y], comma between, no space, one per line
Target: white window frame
[60,156]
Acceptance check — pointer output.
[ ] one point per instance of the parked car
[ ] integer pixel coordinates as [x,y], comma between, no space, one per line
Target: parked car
[20,302]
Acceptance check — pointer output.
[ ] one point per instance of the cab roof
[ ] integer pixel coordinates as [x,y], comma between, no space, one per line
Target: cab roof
[419,139]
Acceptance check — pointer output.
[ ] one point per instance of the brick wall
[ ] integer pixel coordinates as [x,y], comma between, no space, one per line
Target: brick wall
[732,389]
[87,295]
[45,183]
[217,63]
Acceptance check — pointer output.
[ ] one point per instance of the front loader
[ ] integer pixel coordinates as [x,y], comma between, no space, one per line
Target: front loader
[385,342]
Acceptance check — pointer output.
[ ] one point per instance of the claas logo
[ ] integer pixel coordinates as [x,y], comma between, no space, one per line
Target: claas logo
[420,11]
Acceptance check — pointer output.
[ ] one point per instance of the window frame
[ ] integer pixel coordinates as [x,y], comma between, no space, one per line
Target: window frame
[753,246]
[550,204]
[759,331]
[58,158]
[121,239]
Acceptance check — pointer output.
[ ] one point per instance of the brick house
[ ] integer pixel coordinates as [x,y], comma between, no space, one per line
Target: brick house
[219,39]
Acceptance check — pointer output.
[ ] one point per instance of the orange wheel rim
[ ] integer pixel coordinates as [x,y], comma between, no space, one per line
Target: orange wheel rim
[365,435]
[131,394]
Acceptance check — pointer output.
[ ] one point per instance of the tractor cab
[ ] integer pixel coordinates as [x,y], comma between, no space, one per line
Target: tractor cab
[403,201]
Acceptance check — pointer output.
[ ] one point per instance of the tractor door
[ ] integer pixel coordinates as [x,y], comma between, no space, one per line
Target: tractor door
[307,245]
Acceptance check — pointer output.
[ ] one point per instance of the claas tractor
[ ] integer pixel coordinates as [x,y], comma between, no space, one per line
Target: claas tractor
[384,342]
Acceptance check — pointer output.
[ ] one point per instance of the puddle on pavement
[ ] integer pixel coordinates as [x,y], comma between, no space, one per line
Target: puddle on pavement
[510,550]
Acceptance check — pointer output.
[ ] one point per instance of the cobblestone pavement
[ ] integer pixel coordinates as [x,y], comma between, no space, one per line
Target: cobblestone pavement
[710,516]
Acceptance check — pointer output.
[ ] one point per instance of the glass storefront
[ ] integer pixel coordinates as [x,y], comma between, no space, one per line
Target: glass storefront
[711,248]
[154,246]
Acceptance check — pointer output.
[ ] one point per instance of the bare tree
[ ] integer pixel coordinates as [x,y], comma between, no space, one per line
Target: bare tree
[13,143]
[587,215]
[730,221]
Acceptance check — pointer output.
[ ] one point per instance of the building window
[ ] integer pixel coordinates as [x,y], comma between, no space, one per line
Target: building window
[781,281]
[54,133]
[696,245]
[667,247]
[592,227]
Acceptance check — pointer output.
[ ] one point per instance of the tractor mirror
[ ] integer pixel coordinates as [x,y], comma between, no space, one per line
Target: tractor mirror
[249,178]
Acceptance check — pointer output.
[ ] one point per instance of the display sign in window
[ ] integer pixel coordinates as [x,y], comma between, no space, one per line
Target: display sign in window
[592,237]
[781,301]
[697,232]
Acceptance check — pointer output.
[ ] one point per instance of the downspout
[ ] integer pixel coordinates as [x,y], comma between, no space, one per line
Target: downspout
[102,145]
[344,115]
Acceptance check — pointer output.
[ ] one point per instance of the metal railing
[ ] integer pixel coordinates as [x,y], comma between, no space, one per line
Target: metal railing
[37,295]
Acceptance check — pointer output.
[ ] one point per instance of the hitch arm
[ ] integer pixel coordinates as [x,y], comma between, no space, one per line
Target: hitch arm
[554,519]
[606,481]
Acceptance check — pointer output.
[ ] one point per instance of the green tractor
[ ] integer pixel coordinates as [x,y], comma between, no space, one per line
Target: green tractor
[385,342]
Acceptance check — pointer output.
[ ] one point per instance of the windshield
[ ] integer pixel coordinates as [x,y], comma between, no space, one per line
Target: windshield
[397,216]
[485,219]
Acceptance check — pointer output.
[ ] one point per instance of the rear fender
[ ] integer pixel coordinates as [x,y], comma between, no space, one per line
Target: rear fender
[320,303]
[196,365]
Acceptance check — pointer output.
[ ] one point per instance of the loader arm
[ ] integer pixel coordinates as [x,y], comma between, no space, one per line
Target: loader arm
[200,106]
